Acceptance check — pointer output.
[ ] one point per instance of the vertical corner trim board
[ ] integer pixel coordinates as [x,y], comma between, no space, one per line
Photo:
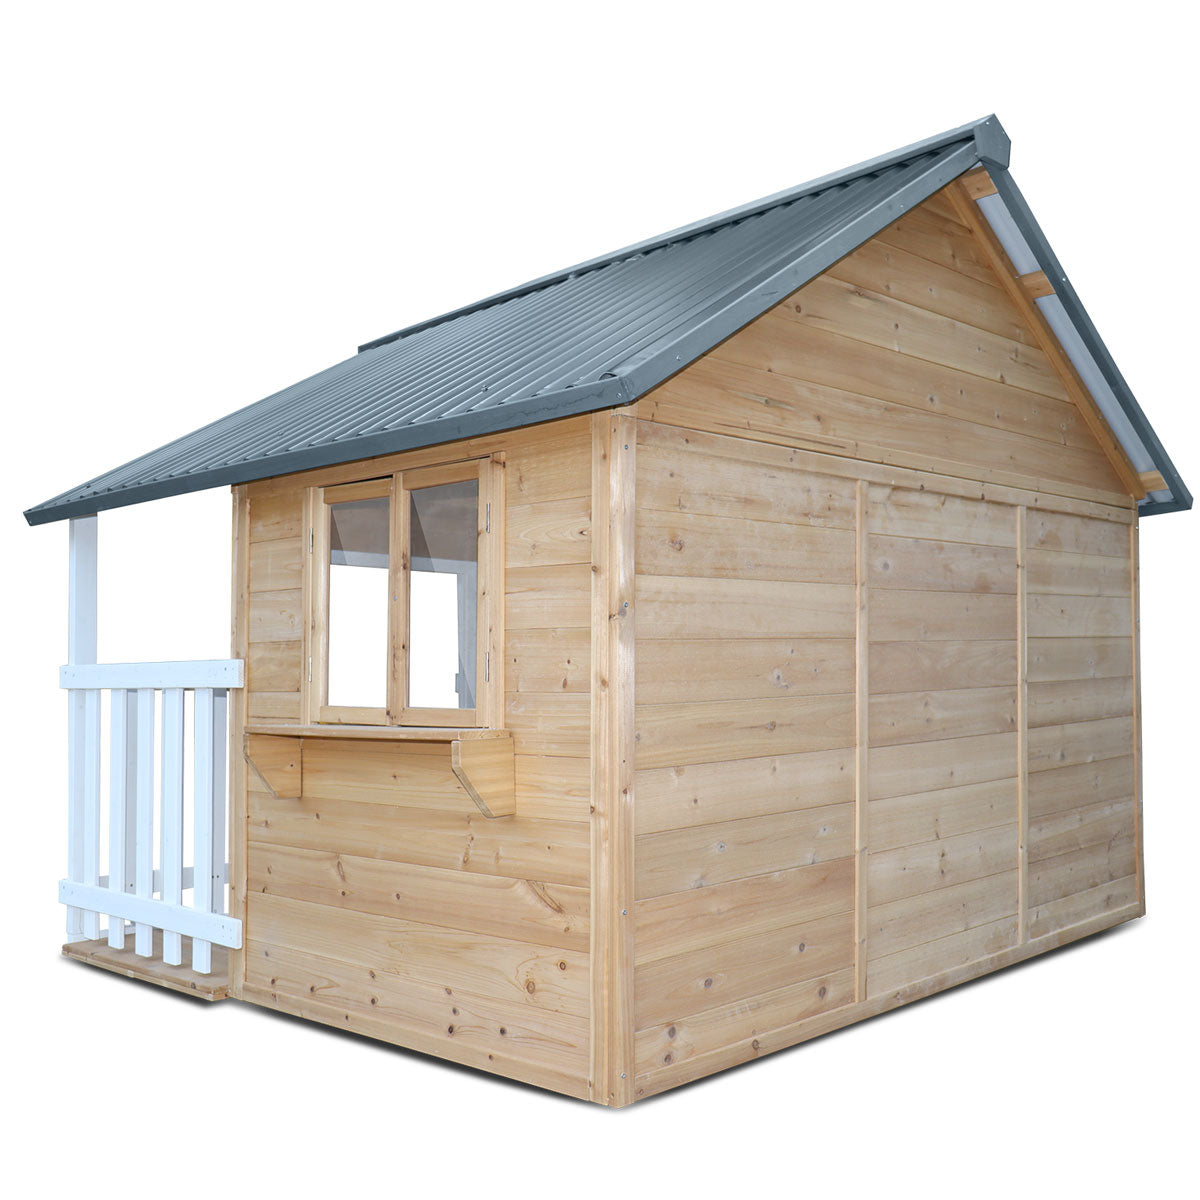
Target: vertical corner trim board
[862,696]
[1022,538]
[614,457]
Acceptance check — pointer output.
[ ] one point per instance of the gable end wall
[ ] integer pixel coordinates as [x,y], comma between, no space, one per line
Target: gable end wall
[886,722]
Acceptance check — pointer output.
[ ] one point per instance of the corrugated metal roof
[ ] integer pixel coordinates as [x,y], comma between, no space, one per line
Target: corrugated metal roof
[592,337]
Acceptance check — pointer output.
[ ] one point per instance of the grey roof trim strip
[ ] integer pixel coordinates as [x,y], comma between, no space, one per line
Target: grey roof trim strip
[553,405]
[991,145]
[1181,497]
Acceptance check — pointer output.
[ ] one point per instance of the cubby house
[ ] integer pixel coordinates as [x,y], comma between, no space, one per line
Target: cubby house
[653,666]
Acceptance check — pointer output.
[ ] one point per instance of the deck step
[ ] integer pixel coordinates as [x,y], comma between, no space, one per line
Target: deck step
[214,986]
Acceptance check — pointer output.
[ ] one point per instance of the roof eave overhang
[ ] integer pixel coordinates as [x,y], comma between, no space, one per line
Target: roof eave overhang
[568,402]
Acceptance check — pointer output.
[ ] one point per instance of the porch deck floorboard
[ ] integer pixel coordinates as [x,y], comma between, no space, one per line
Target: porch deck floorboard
[99,953]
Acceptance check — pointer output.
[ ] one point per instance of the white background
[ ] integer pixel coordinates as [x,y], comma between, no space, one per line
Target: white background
[204,203]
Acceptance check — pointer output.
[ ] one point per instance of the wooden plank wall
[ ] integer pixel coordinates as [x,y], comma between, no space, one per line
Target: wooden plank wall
[995,801]
[745,718]
[906,352]
[943,764]
[382,900]
[1083,855]
[275,625]
[884,708]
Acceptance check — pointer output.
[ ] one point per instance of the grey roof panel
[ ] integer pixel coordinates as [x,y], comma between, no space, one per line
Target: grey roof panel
[595,336]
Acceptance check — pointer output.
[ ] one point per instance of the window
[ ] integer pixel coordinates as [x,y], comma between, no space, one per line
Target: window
[401,630]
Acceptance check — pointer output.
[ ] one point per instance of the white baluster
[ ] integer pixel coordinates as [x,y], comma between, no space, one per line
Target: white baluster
[118,796]
[172,815]
[76,718]
[129,883]
[220,739]
[144,824]
[91,804]
[202,869]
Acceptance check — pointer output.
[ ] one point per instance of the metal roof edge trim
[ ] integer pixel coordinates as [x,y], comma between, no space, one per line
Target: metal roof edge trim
[536,410]
[644,373]
[987,135]
[1157,507]
[1025,221]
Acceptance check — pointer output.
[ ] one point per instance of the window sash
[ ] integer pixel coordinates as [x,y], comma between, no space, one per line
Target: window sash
[489,593]
[407,483]
[370,489]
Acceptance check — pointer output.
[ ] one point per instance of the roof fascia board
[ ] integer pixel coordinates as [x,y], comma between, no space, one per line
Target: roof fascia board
[655,366]
[991,144]
[609,393]
[1031,231]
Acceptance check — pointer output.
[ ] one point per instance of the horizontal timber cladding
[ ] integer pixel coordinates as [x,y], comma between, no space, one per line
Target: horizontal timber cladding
[907,352]
[996,785]
[943,764]
[885,705]
[381,899]
[1083,812]
[275,605]
[744,744]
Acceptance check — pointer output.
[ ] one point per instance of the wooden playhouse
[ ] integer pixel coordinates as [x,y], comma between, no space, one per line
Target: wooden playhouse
[653,666]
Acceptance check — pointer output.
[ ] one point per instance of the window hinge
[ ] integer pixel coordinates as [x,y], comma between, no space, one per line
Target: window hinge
[310,668]
[487,518]
[487,666]
[310,539]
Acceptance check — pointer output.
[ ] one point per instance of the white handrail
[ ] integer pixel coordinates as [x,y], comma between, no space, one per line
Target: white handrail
[198,673]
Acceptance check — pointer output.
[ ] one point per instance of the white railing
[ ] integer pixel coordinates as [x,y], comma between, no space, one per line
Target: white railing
[134,890]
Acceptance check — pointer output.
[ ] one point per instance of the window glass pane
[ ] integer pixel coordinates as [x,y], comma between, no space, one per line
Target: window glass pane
[443,596]
[358,603]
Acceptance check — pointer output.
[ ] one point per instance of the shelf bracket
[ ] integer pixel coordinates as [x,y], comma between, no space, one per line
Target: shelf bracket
[278,762]
[486,768]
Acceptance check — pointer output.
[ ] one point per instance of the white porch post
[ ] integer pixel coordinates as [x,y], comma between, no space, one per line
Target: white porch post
[83,742]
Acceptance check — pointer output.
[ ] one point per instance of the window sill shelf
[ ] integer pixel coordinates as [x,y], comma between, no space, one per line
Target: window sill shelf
[378,733]
[481,759]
